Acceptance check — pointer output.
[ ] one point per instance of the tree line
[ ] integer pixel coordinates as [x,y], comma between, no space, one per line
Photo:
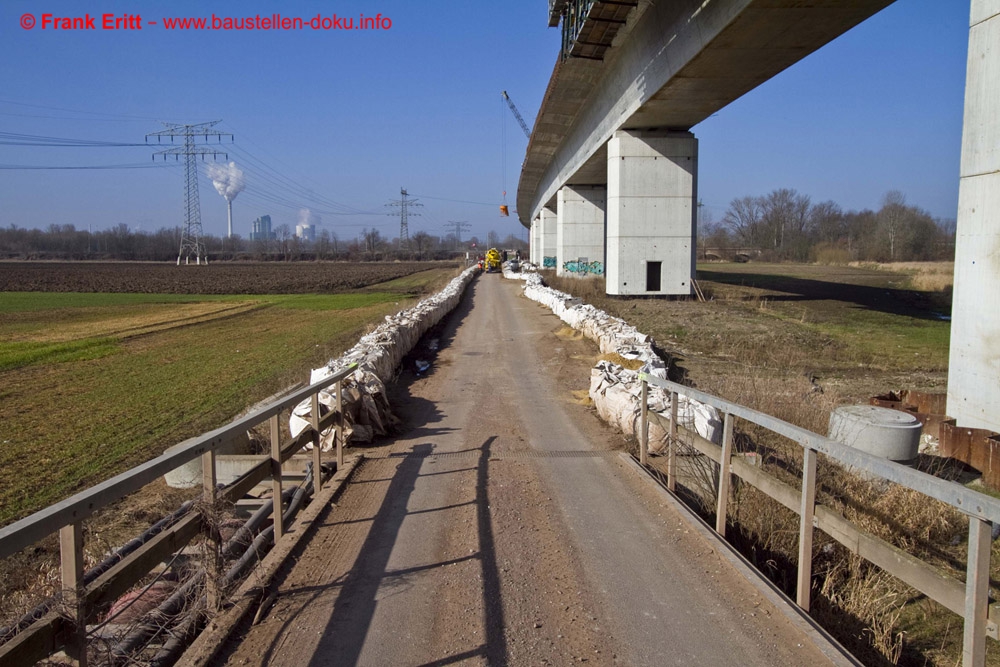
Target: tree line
[787,225]
[66,242]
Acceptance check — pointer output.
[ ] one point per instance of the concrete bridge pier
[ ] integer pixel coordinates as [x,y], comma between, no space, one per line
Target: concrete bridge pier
[580,228]
[533,250]
[652,196]
[974,364]
[547,235]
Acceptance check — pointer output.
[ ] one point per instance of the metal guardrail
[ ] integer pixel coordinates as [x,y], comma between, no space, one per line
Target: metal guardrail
[983,511]
[54,632]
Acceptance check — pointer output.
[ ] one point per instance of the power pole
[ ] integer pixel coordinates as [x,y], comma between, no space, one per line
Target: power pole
[458,226]
[191,243]
[404,205]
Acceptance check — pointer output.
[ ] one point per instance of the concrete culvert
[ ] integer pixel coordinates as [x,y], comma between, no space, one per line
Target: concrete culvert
[891,434]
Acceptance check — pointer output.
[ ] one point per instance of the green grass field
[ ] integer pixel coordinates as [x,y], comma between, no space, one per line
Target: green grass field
[92,384]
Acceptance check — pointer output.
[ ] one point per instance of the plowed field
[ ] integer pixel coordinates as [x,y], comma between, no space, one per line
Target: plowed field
[218,278]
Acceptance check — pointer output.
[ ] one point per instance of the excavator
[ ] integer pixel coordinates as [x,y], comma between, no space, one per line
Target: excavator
[493,261]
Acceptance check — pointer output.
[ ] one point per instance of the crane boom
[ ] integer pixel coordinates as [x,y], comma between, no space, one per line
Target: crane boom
[524,126]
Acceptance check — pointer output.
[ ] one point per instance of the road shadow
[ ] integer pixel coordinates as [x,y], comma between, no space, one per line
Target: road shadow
[344,636]
[887,300]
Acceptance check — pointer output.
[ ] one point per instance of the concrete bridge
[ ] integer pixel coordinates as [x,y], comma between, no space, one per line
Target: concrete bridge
[610,179]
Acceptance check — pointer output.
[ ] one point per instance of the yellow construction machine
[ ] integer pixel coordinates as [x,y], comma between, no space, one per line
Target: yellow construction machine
[493,261]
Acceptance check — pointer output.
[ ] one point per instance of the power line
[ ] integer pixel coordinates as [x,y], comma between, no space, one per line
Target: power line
[16,139]
[191,232]
[30,167]
[458,201]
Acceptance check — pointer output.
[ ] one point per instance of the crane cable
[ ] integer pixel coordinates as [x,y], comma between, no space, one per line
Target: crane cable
[503,149]
[504,210]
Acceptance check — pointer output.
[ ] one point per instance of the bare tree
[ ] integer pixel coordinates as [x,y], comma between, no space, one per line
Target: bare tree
[421,242]
[828,221]
[744,217]
[891,217]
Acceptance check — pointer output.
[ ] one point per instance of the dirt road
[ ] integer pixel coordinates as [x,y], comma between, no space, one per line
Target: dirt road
[502,529]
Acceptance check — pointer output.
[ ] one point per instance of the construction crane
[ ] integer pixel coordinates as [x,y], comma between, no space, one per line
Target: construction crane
[524,126]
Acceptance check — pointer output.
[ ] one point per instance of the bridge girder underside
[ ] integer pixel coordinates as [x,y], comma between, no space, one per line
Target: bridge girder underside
[671,65]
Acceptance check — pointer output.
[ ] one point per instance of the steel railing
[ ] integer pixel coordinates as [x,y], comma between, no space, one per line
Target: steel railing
[969,599]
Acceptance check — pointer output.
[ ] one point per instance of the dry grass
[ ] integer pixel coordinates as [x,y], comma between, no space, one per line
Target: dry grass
[795,342]
[924,276]
[82,323]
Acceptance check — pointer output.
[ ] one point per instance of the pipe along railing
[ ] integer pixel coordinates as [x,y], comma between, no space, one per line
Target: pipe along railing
[63,626]
[969,600]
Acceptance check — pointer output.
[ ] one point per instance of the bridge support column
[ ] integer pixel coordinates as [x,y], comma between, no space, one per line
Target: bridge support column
[974,364]
[652,192]
[580,230]
[534,237]
[547,237]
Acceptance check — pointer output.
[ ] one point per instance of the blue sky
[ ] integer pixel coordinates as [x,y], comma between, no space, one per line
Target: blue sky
[338,121]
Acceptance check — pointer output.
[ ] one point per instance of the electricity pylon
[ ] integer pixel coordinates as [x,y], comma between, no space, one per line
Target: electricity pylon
[191,243]
[458,226]
[404,205]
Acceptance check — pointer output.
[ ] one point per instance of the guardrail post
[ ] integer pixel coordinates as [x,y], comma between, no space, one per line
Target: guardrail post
[644,423]
[276,490]
[724,466]
[317,454]
[808,508]
[977,593]
[71,570]
[340,425]
[672,445]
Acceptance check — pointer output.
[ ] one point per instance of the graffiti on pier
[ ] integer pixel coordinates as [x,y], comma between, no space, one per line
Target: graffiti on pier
[548,262]
[595,268]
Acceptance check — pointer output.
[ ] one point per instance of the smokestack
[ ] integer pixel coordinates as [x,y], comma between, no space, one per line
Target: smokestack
[228,181]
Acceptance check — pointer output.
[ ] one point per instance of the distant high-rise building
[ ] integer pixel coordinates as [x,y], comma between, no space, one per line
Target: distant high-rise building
[261,230]
[306,232]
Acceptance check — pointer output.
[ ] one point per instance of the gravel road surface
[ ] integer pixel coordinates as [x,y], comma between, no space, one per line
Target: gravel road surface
[501,528]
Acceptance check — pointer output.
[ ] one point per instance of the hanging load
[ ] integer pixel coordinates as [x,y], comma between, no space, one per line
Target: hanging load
[504,211]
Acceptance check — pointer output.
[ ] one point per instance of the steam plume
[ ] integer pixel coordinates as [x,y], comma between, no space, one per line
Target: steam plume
[307,217]
[227,179]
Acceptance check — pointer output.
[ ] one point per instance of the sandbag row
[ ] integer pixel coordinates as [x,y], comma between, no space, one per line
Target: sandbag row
[378,354]
[526,269]
[612,334]
[616,390]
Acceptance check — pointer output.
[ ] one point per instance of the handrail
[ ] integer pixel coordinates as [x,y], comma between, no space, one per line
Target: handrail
[967,501]
[982,510]
[43,523]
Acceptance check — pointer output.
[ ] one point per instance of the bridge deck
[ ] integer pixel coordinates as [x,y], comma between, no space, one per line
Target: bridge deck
[500,529]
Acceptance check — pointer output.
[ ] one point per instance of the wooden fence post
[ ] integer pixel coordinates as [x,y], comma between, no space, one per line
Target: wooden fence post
[977,593]
[317,454]
[724,466]
[644,423]
[340,425]
[276,490]
[213,557]
[672,445]
[71,566]
[808,508]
